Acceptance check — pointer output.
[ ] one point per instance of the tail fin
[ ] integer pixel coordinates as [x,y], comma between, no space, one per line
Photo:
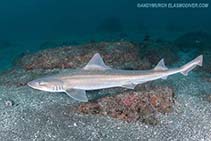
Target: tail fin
[192,64]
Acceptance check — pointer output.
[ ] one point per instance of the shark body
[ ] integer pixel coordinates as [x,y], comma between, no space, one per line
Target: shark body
[96,75]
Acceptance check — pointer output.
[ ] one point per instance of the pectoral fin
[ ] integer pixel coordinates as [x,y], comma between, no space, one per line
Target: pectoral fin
[77,94]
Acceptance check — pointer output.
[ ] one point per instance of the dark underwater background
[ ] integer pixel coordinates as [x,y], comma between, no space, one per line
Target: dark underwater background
[32,25]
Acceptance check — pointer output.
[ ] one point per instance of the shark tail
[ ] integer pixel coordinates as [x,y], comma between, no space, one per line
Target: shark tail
[191,65]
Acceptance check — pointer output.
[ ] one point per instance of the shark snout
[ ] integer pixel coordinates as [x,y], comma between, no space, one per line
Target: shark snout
[36,85]
[50,85]
[32,84]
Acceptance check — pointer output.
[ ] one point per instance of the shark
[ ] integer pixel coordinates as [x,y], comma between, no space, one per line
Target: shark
[97,75]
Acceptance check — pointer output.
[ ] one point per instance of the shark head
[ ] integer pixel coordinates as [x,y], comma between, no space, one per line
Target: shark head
[47,84]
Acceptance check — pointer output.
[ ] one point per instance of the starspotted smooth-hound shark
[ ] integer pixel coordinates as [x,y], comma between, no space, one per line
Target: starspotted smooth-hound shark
[96,75]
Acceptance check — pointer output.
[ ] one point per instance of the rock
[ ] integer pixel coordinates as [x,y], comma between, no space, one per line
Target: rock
[153,51]
[206,59]
[209,79]
[207,97]
[193,40]
[53,44]
[122,55]
[8,103]
[205,76]
[200,43]
[132,105]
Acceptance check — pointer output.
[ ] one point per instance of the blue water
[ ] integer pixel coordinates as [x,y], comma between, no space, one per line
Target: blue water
[25,25]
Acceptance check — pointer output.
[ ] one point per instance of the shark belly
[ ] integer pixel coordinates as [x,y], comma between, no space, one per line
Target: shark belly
[95,86]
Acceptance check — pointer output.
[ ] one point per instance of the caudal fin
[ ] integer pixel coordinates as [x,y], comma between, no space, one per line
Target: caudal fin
[191,65]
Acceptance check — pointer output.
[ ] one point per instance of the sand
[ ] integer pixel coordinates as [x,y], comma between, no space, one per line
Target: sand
[27,114]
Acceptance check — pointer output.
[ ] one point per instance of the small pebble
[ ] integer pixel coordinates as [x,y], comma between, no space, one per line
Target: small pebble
[9,103]
[75,124]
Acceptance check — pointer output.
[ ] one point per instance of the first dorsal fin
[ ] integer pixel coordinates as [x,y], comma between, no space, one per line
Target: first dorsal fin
[96,63]
[161,65]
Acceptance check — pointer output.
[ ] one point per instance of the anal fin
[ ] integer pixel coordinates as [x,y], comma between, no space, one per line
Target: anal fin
[129,86]
[77,94]
[164,78]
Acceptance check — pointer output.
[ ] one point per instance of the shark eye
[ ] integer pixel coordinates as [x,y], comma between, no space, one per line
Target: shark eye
[41,83]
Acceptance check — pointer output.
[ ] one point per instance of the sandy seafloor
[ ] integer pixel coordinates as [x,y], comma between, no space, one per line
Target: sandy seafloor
[37,115]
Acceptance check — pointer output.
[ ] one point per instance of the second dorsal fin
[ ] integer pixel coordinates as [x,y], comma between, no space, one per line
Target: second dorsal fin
[96,63]
[161,65]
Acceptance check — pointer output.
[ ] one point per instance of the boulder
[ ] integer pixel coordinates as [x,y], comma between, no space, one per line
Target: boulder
[140,105]
[120,55]
[198,40]
[155,50]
